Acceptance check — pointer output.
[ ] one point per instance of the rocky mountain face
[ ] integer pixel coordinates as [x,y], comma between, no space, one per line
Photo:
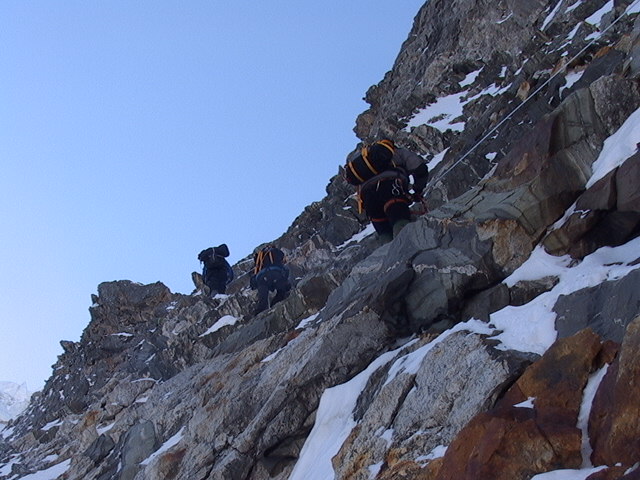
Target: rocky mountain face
[400,360]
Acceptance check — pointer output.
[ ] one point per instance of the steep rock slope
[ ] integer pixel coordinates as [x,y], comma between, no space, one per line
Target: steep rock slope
[430,357]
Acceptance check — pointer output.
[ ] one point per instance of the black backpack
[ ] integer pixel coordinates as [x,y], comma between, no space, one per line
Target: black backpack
[267,257]
[208,257]
[222,250]
[208,253]
[371,161]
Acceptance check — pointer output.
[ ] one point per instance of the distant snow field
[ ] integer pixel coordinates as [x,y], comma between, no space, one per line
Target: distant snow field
[14,398]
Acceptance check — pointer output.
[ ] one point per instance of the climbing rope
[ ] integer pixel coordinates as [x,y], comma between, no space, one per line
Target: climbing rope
[499,124]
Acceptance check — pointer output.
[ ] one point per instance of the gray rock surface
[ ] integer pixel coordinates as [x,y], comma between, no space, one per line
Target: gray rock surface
[607,309]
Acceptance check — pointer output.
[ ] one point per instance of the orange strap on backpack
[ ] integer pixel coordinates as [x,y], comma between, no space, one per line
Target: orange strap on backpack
[365,156]
[260,257]
[391,147]
[360,202]
[389,144]
[259,262]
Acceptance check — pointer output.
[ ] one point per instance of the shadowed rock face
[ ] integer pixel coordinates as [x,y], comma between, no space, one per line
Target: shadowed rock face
[172,386]
[607,213]
[607,309]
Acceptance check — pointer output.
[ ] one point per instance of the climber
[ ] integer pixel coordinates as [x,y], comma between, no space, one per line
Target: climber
[216,271]
[381,172]
[269,274]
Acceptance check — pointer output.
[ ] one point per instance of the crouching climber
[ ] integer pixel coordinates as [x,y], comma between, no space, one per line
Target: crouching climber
[270,274]
[382,172]
[216,271]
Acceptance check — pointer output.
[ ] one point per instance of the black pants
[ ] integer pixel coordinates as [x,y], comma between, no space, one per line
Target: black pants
[385,203]
[267,281]
[216,280]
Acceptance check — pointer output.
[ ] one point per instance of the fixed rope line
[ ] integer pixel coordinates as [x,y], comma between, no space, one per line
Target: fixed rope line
[499,124]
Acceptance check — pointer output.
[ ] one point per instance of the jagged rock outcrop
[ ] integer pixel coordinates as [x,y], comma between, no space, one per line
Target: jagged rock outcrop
[515,440]
[614,427]
[443,354]
[607,213]
[422,413]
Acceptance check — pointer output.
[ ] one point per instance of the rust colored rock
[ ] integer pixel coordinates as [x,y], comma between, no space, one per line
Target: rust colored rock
[408,470]
[504,444]
[614,424]
[607,353]
[432,469]
[556,380]
[516,442]
[613,473]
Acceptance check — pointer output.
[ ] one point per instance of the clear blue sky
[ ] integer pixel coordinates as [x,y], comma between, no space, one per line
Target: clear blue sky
[135,134]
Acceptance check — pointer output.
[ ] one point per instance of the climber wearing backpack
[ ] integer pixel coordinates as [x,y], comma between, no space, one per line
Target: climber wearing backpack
[269,274]
[382,172]
[216,271]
